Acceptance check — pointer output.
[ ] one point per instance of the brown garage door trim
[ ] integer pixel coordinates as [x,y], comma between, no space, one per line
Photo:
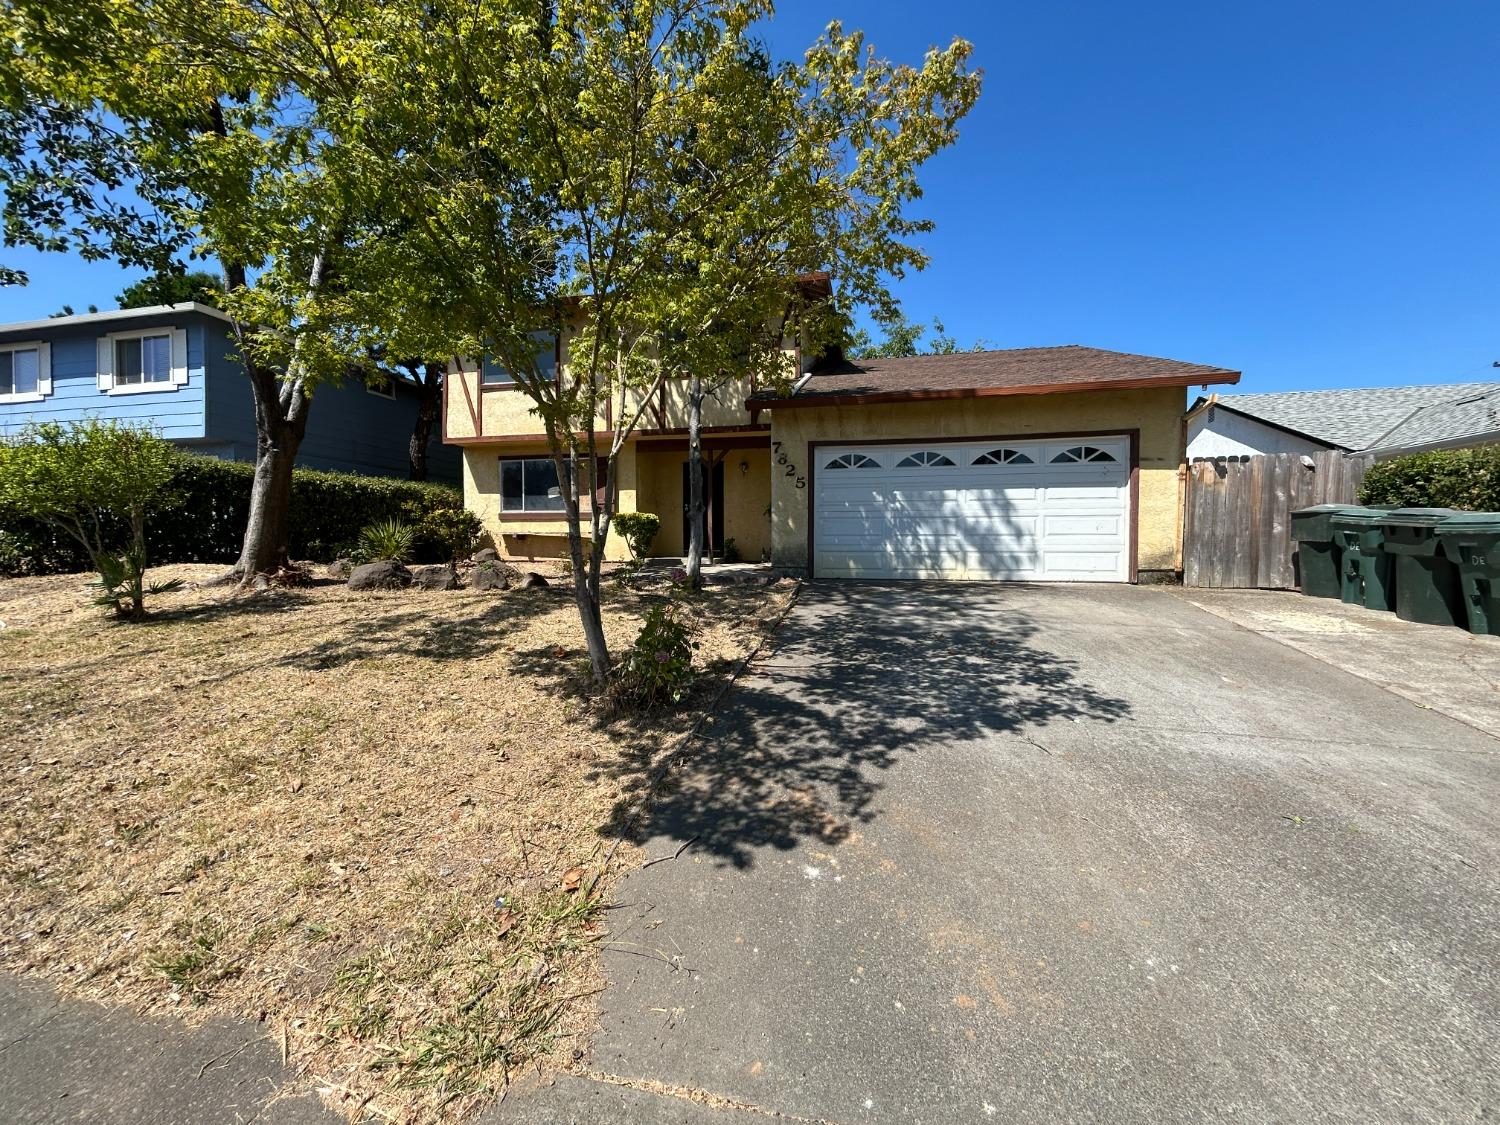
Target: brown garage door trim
[1134,435]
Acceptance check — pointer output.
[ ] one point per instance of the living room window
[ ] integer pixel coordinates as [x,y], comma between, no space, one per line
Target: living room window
[529,484]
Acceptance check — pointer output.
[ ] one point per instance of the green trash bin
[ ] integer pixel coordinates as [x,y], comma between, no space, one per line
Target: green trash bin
[1367,573]
[1317,549]
[1471,541]
[1427,583]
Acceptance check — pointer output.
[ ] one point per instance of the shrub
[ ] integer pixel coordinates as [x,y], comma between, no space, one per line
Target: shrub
[444,534]
[93,483]
[387,539]
[659,667]
[638,529]
[13,557]
[206,521]
[1468,479]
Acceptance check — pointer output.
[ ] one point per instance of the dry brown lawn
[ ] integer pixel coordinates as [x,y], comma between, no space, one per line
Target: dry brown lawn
[358,817]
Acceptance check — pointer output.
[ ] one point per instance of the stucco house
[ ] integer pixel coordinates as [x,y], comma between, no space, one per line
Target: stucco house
[173,367]
[1385,421]
[1056,464]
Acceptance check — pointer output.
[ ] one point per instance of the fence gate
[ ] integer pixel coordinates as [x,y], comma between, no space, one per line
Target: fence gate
[1237,519]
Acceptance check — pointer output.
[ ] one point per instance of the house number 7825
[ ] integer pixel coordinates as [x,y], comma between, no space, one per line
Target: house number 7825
[784,462]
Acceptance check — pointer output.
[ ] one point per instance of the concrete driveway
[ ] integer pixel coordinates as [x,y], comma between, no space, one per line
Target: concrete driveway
[971,853]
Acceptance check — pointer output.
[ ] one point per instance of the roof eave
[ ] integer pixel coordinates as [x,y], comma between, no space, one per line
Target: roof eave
[1385,453]
[1222,405]
[113,315]
[938,394]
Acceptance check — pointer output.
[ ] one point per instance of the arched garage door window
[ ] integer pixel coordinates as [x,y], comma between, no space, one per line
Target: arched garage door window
[926,459]
[1083,453]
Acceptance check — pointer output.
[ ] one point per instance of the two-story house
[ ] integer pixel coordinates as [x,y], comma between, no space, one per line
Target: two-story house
[173,367]
[1056,464]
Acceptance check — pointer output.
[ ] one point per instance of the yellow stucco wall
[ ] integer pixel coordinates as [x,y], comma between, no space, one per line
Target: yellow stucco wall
[649,481]
[1156,413]
[519,537]
[746,494]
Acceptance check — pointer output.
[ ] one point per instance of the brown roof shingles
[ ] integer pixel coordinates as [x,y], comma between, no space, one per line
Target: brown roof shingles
[1013,371]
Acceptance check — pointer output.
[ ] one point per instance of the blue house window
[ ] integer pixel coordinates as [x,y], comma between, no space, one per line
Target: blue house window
[23,373]
[143,359]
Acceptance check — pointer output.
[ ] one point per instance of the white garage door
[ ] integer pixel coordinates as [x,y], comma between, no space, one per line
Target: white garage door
[1052,511]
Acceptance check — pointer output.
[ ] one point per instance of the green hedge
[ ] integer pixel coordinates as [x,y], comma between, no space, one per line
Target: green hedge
[206,521]
[1467,479]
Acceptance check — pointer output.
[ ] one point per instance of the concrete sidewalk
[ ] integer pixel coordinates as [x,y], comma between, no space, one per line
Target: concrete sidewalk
[1447,670]
[70,1061]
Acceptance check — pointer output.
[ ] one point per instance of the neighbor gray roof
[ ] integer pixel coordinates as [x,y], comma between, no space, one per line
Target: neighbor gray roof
[1379,417]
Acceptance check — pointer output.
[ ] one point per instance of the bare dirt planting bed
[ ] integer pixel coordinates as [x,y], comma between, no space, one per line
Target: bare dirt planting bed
[359,817]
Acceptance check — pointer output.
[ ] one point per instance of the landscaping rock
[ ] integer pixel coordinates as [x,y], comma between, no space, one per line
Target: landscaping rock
[383,574]
[491,575]
[486,554]
[440,576]
[533,579]
[340,568]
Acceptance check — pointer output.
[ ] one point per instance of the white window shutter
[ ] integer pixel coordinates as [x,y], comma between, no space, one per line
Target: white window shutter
[106,374]
[179,357]
[44,369]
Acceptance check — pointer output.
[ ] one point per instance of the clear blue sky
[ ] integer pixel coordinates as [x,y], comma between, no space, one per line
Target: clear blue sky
[1308,192]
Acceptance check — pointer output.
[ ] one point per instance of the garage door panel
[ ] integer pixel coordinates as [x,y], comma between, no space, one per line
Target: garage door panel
[1063,566]
[1086,526]
[1043,520]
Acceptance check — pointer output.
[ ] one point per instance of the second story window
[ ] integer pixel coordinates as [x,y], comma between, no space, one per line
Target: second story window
[143,359]
[23,373]
[493,373]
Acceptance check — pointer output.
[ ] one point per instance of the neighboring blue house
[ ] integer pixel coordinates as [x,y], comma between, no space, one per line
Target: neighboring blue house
[173,366]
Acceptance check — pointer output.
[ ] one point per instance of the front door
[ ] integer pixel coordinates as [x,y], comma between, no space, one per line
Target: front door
[713,499]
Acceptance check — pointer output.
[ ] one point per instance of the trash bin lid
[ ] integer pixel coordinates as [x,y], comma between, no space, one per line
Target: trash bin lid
[1325,509]
[1472,521]
[1365,517]
[1415,517]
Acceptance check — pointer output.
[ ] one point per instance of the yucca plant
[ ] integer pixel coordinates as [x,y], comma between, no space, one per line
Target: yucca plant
[387,539]
[123,586]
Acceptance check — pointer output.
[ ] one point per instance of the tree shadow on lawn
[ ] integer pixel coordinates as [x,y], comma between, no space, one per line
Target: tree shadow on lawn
[861,675]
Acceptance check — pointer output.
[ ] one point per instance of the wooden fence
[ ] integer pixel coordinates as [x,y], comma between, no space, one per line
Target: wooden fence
[1237,514]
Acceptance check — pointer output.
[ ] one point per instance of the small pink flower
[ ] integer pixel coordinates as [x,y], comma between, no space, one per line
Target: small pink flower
[662,657]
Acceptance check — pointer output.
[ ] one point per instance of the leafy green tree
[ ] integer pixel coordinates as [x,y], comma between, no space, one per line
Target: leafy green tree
[133,132]
[171,289]
[634,174]
[795,169]
[96,482]
[904,338]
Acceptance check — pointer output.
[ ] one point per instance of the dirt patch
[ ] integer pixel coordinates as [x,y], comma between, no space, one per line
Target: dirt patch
[355,816]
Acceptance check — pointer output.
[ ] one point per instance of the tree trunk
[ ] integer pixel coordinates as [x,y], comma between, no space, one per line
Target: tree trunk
[429,392]
[695,483]
[585,570]
[280,424]
[268,530]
